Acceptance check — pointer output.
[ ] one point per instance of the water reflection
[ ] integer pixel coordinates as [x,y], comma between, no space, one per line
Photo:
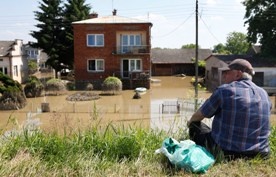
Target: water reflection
[167,105]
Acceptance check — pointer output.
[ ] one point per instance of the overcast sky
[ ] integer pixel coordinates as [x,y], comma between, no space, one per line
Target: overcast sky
[173,20]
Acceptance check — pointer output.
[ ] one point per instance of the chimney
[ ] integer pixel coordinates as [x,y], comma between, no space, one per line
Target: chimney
[114,12]
[93,15]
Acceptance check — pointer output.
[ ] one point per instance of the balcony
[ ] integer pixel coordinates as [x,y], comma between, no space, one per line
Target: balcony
[131,50]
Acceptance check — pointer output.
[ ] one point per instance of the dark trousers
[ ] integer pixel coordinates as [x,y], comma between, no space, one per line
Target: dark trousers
[200,133]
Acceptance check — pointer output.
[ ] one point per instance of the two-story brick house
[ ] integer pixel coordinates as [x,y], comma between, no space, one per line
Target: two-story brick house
[112,46]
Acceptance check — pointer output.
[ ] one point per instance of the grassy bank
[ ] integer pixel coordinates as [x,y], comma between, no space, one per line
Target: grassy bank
[106,151]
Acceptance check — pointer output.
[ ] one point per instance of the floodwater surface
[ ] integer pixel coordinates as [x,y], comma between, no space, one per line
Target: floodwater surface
[167,105]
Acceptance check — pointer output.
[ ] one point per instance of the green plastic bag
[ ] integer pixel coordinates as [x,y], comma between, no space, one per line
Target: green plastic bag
[187,155]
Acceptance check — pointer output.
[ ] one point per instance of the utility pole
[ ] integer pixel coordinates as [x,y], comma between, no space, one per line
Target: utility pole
[196,57]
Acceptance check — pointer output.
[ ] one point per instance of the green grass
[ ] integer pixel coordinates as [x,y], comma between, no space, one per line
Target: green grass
[109,151]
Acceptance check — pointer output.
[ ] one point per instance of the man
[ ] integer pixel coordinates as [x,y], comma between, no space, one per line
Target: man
[240,111]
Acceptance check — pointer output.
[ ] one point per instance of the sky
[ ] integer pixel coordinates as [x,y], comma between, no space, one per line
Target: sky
[174,23]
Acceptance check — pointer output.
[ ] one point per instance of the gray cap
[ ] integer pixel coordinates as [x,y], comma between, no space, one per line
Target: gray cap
[240,64]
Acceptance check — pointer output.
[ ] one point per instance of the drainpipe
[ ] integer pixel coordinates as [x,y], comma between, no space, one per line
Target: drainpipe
[10,63]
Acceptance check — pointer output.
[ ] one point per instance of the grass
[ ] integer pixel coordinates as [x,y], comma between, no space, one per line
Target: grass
[106,151]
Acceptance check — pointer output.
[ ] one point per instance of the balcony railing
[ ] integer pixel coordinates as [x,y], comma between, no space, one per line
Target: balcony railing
[133,75]
[143,49]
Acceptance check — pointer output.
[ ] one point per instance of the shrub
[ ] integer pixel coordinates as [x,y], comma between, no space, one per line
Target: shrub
[55,85]
[32,67]
[112,85]
[12,97]
[33,87]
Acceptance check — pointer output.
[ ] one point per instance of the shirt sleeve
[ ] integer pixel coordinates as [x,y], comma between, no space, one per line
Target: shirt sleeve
[212,105]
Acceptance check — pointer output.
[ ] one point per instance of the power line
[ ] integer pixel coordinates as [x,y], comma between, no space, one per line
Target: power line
[177,26]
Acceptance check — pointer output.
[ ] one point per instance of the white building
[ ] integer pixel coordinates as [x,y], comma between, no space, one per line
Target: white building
[12,60]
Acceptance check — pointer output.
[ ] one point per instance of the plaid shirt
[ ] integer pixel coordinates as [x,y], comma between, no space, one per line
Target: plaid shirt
[241,113]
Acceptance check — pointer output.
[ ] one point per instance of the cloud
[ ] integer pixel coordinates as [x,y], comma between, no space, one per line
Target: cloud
[211,2]
[152,17]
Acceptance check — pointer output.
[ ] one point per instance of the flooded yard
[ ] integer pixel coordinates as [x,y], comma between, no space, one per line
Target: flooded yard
[167,105]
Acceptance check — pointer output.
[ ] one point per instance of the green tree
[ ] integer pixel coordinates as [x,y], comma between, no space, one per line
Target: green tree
[75,10]
[50,34]
[220,49]
[189,46]
[261,20]
[236,43]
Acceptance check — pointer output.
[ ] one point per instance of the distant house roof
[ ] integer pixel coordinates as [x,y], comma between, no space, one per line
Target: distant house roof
[254,60]
[254,49]
[5,47]
[110,20]
[170,56]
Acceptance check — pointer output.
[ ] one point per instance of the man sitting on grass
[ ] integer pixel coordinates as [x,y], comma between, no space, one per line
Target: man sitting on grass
[241,111]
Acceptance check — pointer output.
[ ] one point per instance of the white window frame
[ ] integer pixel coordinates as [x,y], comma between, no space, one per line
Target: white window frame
[4,70]
[135,65]
[15,70]
[98,66]
[130,40]
[97,40]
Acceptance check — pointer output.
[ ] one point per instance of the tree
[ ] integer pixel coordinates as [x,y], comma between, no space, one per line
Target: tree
[220,49]
[55,35]
[236,43]
[189,46]
[261,19]
[75,10]
[49,37]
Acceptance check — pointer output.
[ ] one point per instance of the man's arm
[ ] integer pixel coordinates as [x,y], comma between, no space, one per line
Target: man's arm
[197,116]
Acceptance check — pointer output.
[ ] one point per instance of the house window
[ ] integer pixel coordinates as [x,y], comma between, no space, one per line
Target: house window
[4,70]
[128,42]
[15,70]
[1,59]
[95,40]
[214,73]
[33,53]
[135,65]
[96,65]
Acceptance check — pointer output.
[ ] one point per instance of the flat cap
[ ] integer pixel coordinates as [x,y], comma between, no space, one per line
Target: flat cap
[240,64]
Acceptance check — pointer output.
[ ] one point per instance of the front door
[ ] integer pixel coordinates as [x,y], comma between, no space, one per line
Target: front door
[125,73]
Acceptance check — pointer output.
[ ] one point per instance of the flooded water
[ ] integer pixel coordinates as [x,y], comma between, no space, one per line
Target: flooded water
[167,105]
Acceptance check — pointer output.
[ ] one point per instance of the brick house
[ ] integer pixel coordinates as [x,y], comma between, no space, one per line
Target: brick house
[112,46]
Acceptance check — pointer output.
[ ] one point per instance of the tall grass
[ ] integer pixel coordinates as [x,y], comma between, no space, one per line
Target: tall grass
[106,151]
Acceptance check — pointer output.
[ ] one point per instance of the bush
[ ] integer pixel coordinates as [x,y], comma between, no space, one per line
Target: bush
[12,97]
[55,85]
[33,87]
[32,67]
[112,85]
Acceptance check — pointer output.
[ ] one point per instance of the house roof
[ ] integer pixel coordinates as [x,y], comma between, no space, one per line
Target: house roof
[254,60]
[5,47]
[170,56]
[112,19]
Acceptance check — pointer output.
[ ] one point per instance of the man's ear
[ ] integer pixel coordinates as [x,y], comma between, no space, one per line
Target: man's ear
[239,74]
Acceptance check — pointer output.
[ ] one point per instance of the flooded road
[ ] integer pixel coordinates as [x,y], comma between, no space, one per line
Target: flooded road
[167,105]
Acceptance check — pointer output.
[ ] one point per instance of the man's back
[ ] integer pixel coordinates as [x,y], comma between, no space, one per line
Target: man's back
[241,122]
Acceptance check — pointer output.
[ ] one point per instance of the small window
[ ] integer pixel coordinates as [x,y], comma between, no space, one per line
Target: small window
[15,70]
[96,65]
[4,70]
[95,40]
[1,59]
[135,65]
